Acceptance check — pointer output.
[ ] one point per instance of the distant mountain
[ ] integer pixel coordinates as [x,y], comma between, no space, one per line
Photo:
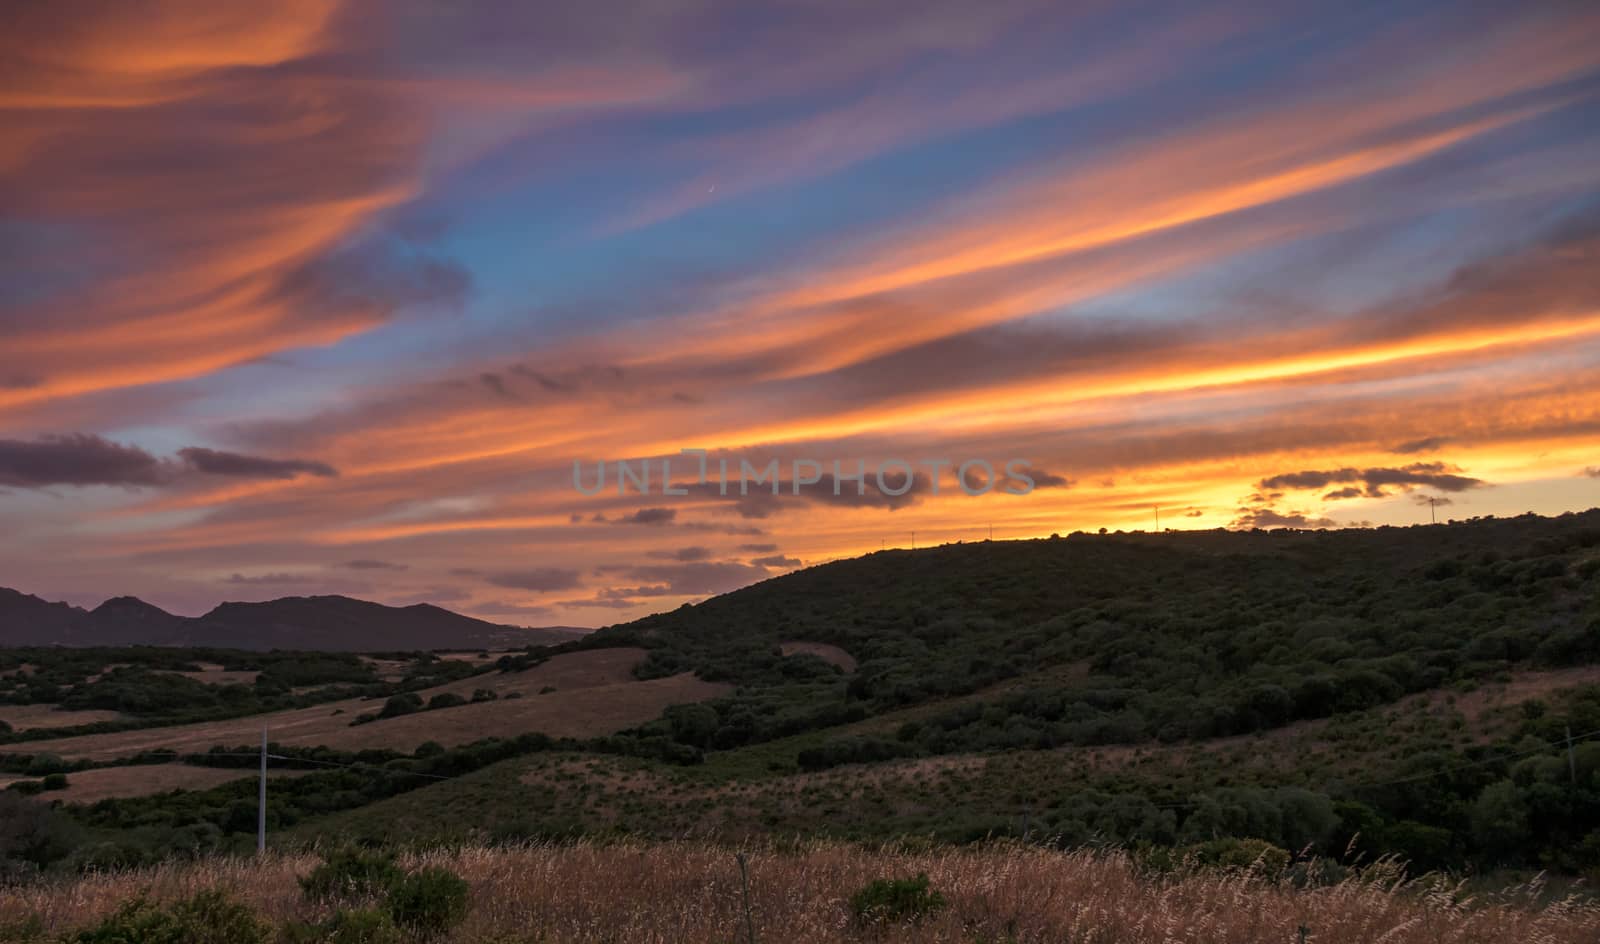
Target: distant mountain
[26,620]
[318,623]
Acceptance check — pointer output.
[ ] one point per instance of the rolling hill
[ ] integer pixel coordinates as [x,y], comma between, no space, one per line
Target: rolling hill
[1431,693]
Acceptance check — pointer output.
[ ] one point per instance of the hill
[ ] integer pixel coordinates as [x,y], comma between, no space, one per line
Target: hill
[322,623]
[1430,692]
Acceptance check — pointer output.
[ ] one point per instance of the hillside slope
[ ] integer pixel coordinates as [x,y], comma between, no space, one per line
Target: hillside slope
[1405,691]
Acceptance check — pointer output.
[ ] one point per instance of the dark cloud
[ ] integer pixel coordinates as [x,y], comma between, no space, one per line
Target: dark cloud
[493,382]
[1592,471]
[1375,483]
[777,561]
[684,554]
[1429,444]
[646,516]
[1436,500]
[758,548]
[78,459]
[369,564]
[1349,491]
[1270,518]
[82,459]
[1043,479]
[537,580]
[214,462]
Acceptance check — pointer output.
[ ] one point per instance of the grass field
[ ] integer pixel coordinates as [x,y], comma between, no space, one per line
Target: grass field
[691,893]
[89,786]
[31,717]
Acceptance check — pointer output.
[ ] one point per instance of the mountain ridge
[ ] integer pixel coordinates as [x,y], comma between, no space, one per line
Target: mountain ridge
[324,623]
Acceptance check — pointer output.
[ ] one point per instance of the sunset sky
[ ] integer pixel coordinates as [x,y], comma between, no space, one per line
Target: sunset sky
[317,297]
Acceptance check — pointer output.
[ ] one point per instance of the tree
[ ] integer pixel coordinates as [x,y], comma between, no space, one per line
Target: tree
[1500,820]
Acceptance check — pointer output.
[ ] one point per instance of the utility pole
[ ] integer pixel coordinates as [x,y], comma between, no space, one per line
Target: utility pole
[1158,519]
[1433,515]
[913,540]
[991,530]
[261,799]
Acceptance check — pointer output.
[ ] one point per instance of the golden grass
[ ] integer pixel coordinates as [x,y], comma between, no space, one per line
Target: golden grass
[102,783]
[690,893]
[595,694]
[30,717]
[213,674]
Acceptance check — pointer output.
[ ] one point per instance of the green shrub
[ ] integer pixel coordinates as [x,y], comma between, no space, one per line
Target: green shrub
[26,787]
[351,873]
[445,700]
[210,917]
[56,782]
[1230,853]
[429,901]
[23,930]
[896,900]
[42,764]
[363,926]
[402,704]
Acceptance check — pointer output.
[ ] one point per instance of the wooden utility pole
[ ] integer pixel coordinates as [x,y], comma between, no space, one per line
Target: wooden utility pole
[1158,519]
[261,799]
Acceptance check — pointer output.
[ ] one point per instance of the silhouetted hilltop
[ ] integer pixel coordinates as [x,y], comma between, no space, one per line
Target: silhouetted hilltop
[332,623]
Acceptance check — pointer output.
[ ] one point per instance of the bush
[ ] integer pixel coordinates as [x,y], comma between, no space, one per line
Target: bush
[398,705]
[445,700]
[430,901]
[896,900]
[23,930]
[1252,854]
[56,782]
[364,926]
[43,764]
[210,917]
[351,873]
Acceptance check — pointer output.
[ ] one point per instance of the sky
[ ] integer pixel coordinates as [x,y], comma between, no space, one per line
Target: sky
[330,297]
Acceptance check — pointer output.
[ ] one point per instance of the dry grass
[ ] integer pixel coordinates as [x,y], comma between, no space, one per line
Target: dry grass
[101,783]
[28,717]
[1522,687]
[595,693]
[689,893]
[212,674]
